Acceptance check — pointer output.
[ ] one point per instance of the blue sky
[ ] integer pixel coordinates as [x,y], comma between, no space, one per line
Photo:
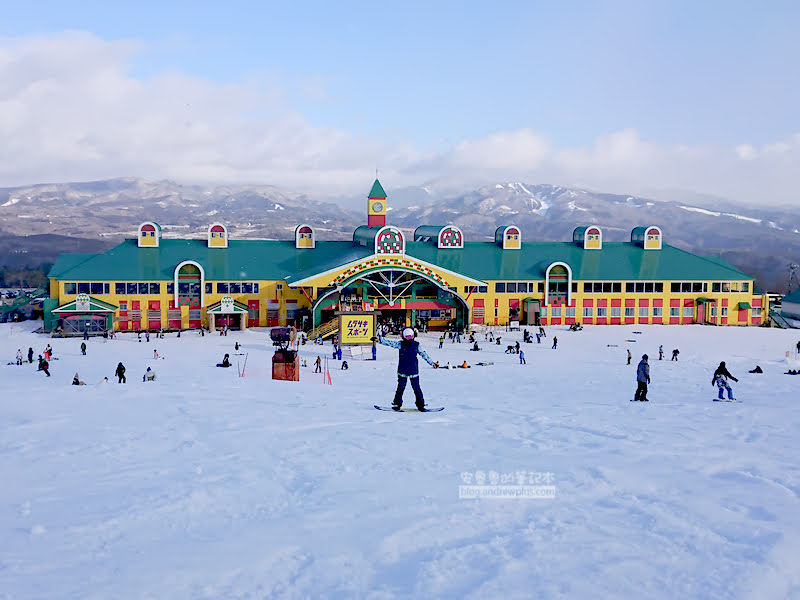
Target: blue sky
[558,92]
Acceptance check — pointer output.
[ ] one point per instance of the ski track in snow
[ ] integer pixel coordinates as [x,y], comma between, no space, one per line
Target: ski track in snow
[207,485]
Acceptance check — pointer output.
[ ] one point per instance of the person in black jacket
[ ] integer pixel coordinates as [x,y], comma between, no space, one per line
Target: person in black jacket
[407,367]
[720,379]
[44,366]
[225,362]
[120,372]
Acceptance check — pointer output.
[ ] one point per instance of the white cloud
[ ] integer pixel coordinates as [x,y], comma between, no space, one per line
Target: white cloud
[70,110]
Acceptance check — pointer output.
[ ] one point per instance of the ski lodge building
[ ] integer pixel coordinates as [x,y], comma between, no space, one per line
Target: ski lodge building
[152,283]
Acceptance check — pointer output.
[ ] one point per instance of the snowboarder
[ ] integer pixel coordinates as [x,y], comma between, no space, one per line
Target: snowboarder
[44,366]
[475,347]
[516,346]
[155,354]
[720,379]
[555,342]
[407,367]
[661,352]
[149,375]
[441,341]
[86,334]
[120,373]
[522,357]
[642,378]
[236,346]
[345,366]
[225,362]
[147,335]
[30,355]
[756,370]
[629,356]
[83,348]
[675,355]
[77,380]
[541,332]
[318,365]
[19,356]
[538,338]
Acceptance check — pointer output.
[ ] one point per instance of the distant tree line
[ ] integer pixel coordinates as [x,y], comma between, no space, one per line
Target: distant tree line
[24,277]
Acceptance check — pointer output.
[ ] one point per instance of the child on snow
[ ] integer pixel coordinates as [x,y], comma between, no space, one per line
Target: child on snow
[720,379]
[120,373]
[407,367]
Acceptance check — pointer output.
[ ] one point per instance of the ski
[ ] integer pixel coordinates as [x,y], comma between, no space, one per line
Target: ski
[389,408]
[726,400]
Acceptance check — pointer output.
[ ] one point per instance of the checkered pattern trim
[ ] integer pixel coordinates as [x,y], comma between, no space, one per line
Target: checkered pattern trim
[389,261]
[390,242]
[450,238]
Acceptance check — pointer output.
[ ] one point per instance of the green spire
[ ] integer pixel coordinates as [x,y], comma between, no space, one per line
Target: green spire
[377,190]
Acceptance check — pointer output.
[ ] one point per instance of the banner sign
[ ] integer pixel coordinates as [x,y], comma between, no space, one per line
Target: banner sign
[356,328]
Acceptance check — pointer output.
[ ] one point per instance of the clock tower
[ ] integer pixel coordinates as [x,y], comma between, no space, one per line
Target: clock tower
[376,206]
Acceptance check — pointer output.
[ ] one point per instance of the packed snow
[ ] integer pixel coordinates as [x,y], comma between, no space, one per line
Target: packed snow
[203,484]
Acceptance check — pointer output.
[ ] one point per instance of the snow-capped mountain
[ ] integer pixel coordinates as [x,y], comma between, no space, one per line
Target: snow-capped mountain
[758,241]
[114,208]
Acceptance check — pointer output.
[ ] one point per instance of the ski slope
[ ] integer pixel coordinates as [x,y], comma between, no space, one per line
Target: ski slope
[204,485]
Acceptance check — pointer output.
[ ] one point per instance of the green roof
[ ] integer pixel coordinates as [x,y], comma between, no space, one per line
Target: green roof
[793,297]
[242,260]
[617,261]
[271,260]
[377,190]
[67,261]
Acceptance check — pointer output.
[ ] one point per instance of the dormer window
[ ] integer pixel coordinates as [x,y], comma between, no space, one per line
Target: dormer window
[304,237]
[217,236]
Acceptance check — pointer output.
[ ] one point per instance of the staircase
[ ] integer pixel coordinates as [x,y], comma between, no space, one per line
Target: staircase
[325,330]
[779,321]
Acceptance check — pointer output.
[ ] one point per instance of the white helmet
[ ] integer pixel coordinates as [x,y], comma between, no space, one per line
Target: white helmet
[408,333]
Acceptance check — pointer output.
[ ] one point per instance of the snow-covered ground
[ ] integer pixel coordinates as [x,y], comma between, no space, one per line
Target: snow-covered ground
[207,485]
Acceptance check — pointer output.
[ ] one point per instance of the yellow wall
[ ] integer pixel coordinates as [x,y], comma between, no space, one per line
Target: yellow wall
[577,298]
[268,291]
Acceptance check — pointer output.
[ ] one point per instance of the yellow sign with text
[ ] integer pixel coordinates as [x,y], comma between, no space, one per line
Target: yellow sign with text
[356,329]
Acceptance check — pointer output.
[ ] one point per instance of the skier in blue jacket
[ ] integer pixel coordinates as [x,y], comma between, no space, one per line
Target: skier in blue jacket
[407,367]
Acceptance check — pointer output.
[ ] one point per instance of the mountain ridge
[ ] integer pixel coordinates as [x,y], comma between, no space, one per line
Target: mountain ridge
[758,241]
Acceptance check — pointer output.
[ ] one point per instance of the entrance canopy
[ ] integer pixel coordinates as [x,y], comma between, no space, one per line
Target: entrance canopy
[227,306]
[85,303]
[705,300]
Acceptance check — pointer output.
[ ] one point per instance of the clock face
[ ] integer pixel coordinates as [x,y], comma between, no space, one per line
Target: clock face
[377,207]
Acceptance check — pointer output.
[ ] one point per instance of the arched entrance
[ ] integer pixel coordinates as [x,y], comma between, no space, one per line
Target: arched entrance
[404,297]
[189,291]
